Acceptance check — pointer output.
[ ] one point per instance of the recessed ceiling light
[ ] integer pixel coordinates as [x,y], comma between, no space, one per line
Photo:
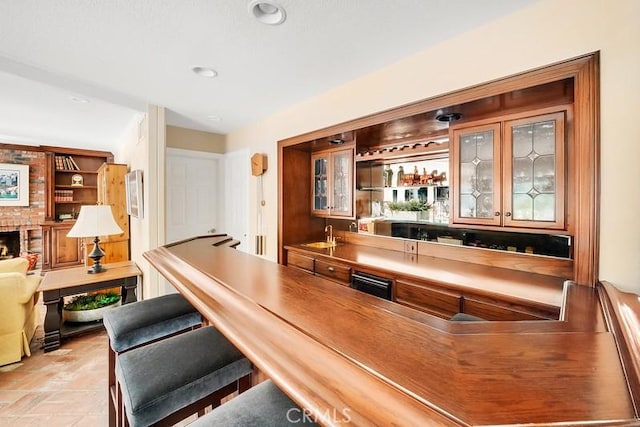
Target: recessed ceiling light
[267,12]
[214,118]
[79,99]
[205,72]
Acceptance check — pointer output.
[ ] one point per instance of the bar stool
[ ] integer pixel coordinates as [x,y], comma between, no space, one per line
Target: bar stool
[167,381]
[132,325]
[264,405]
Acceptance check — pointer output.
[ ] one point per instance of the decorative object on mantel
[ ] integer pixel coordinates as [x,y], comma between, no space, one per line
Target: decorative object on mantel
[89,308]
[77,180]
[94,221]
[14,184]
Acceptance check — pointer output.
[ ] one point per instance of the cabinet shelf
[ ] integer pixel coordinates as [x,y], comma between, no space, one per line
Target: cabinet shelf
[77,187]
[403,187]
[81,172]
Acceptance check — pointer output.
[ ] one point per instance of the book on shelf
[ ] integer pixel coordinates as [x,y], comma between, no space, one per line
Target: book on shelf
[66,163]
[73,162]
[63,196]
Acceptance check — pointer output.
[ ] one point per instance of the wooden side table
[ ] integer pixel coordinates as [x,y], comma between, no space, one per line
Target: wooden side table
[72,281]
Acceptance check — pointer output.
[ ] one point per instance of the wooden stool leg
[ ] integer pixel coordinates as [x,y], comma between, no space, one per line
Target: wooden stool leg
[120,405]
[111,387]
[244,383]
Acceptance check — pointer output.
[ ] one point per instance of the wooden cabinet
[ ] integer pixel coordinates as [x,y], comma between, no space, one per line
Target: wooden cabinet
[59,251]
[431,297]
[71,181]
[303,262]
[510,173]
[332,183]
[329,269]
[111,191]
[334,271]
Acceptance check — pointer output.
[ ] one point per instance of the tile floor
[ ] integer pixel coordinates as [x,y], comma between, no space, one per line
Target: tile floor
[63,388]
[66,387]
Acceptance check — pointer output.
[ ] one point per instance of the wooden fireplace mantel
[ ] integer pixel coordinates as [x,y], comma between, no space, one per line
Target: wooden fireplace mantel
[348,356]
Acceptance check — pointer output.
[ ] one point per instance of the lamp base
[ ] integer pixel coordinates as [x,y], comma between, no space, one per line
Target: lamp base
[97,268]
[96,254]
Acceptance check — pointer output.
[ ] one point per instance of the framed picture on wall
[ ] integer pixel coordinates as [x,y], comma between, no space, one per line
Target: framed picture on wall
[14,185]
[133,183]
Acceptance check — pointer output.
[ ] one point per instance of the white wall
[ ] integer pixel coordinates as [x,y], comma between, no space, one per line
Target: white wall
[143,148]
[548,31]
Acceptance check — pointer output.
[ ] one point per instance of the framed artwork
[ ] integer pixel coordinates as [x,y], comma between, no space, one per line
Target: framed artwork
[133,183]
[14,185]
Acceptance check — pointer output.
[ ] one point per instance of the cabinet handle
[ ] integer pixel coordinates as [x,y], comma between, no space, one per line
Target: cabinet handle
[497,213]
[507,214]
[331,269]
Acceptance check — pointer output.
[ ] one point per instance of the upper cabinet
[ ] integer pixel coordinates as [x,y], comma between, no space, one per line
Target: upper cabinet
[332,183]
[111,191]
[510,173]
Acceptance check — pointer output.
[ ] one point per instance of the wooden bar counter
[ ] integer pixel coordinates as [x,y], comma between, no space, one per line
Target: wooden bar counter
[348,357]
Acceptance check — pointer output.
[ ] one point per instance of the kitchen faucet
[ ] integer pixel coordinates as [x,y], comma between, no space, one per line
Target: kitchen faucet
[329,228]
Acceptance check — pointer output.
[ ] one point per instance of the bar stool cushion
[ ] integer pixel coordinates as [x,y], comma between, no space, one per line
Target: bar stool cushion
[160,378]
[263,405]
[131,325]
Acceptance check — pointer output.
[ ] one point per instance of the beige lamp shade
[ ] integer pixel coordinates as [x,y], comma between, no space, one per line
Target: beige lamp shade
[93,221]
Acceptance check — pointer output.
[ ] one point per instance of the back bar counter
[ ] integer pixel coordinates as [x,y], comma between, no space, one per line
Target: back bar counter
[349,357]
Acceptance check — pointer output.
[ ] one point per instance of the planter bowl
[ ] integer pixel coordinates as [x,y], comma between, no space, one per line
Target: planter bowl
[80,316]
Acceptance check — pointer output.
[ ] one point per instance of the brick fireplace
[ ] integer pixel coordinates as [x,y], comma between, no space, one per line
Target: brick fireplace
[24,221]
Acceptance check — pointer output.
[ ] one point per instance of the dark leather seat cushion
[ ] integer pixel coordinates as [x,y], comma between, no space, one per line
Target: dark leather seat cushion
[144,321]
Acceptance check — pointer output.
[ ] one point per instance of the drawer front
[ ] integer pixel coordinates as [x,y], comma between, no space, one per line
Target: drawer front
[339,273]
[440,303]
[301,261]
[493,312]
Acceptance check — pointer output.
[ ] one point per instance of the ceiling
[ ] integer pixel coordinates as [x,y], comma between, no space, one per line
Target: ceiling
[81,72]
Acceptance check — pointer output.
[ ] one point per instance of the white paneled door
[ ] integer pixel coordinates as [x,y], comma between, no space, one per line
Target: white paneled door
[192,193]
[236,202]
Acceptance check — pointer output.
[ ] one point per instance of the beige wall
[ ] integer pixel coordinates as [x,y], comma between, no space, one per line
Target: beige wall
[548,31]
[189,139]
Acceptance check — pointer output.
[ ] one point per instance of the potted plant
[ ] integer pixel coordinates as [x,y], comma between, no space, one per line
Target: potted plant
[89,308]
[412,210]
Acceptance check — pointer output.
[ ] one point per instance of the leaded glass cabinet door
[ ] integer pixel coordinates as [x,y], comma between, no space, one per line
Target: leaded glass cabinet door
[332,183]
[534,172]
[476,174]
[342,183]
[320,184]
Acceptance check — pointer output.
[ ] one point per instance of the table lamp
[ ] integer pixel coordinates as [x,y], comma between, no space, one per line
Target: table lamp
[94,221]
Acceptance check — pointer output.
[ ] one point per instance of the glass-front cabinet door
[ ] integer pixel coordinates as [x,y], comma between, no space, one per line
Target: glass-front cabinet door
[475,153]
[342,185]
[332,183]
[320,198]
[534,172]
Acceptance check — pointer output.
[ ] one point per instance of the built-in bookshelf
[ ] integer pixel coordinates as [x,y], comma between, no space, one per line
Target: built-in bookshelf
[75,182]
[72,181]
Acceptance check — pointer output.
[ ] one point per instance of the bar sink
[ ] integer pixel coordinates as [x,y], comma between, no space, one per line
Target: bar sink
[320,245]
